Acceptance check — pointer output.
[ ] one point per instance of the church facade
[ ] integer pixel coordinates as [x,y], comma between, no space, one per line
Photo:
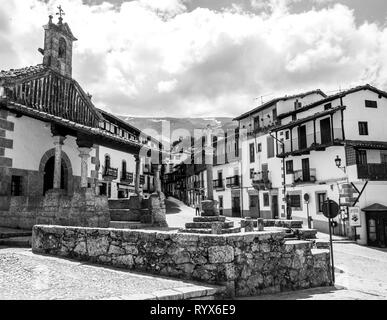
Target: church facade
[61,158]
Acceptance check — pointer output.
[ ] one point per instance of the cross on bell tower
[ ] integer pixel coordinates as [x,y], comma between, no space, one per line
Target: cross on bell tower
[58,45]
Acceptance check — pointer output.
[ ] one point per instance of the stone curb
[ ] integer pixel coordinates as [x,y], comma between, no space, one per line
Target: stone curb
[181,293]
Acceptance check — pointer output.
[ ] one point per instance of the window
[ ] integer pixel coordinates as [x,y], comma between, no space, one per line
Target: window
[297,104]
[361,157]
[253,201]
[252,173]
[321,197]
[274,114]
[16,186]
[294,117]
[289,167]
[270,147]
[371,104]
[123,168]
[107,161]
[328,106]
[62,48]
[363,128]
[266,202]
[287,135]
[256,123]
[259,147]
[252,155]
[295,200]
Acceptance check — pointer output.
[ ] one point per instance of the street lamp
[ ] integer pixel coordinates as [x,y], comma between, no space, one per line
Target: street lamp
[338,164]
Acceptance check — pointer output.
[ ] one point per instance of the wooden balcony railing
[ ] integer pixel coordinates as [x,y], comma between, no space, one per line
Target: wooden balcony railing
[372,171]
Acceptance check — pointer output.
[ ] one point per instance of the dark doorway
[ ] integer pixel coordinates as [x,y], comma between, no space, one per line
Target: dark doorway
[236,206]
[305,170]
[302,144]
[48,182]
[220,205]
[326,134]
[377,229]
[274,206]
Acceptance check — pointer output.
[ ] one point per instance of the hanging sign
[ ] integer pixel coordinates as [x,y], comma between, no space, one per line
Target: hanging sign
[354,216]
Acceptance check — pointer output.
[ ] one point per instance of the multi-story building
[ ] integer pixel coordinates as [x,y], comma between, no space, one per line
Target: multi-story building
[259,161]
[341,139]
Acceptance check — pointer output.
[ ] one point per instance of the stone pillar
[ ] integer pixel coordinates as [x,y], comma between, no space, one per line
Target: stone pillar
[84,154]
[137,175]
[157,180]
[210,186]
[58,142]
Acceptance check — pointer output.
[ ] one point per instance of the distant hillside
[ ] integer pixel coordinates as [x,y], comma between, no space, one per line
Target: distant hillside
[189,124]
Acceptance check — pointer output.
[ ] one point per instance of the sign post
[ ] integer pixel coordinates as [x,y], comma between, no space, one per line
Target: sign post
[306,198]
[331,210]
[354,218]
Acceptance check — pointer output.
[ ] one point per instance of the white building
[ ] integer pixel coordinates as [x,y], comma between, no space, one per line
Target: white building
[349,126]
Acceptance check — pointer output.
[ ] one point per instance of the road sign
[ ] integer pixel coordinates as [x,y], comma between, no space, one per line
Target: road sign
[354,217]
[330,209]
[306,197]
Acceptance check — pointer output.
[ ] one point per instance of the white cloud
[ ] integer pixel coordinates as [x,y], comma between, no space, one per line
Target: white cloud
[154,57]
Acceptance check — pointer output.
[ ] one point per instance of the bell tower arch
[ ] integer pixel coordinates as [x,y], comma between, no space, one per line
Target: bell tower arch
[58,45]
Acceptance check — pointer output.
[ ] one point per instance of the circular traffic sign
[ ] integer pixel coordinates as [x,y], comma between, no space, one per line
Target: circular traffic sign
[306,197]
[330,209]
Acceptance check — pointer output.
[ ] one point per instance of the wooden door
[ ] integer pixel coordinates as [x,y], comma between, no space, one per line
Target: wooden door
[305,170]
[274,206]
[302,144]
[326,133]
[236,207]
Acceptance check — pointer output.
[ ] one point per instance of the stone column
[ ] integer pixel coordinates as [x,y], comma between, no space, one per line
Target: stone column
[157,180]
[84,154]
[58,142]
[137,175]
[210,186]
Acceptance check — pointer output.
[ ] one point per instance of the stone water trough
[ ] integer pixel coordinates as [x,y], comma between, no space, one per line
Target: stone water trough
[246,264]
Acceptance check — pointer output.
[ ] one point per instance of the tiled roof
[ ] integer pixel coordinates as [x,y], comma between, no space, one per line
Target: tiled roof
[367,144]
[22,72]
[271,102]
[375,207]
[333,97]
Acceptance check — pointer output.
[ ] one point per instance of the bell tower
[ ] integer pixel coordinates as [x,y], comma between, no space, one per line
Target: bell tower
[58,45]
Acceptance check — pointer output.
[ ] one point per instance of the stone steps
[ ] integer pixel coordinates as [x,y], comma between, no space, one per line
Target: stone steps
[209,231]
[209,219]
[10,233]
[128,225]
[16,242]
[118,203]
[207,225]
[123,215]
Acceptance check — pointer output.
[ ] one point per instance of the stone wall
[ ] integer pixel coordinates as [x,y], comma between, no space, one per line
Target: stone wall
[247,264]
[82,208]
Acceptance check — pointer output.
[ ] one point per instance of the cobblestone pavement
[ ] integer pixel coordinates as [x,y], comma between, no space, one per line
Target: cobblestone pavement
[24,275]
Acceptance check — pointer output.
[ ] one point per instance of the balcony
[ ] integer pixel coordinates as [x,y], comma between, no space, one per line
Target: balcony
[218,184]
[305,177]
[307,143]
[262,180]
[142,179]
[372,171]
[127,177]
[198,184]
[232,182]
[110,173]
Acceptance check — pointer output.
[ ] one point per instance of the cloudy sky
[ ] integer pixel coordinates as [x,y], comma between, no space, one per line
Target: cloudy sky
[191,58]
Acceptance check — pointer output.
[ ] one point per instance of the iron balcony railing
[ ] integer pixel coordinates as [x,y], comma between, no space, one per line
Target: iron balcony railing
[198,184]
[218,184]
[261,177]
[372,171]
[111,173]
[233,181]
[127,177]
[301,176]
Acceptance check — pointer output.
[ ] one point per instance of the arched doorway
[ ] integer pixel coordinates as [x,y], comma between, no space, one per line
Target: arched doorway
[48,182]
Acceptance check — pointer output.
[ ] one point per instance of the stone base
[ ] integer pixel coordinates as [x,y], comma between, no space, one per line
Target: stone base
[210,208]
[157,209]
